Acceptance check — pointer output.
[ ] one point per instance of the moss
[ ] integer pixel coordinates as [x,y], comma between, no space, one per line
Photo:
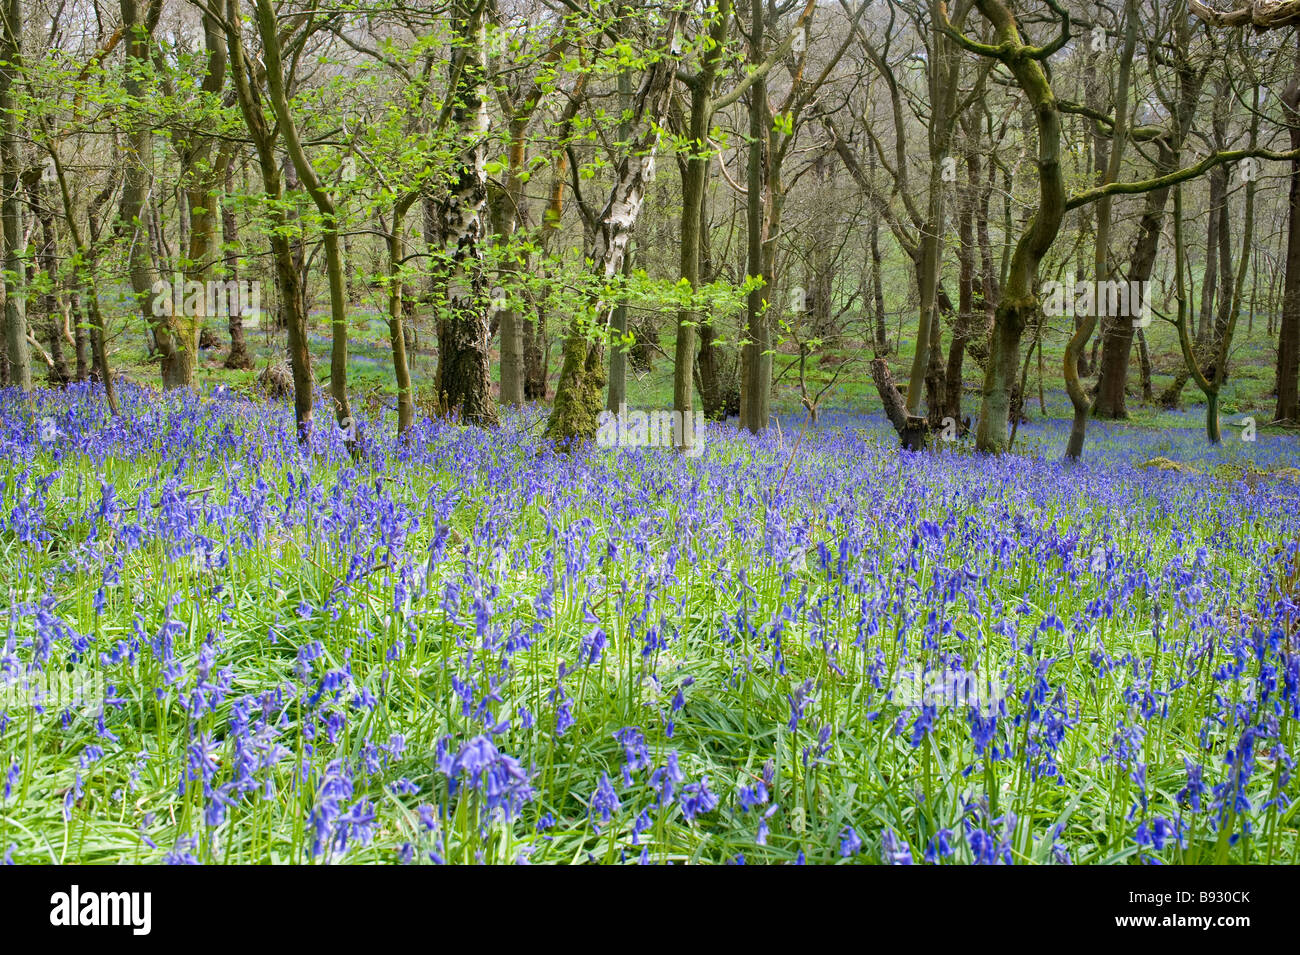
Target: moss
[1163,464]
[579,395]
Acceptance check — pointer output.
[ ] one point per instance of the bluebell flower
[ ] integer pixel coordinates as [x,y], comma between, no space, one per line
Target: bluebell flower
[895,851]
[604,801]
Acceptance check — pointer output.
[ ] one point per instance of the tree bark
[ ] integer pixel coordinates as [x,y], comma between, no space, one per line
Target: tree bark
[17,354]
[1288,345]
[756,360]
[462,379]
[239,358]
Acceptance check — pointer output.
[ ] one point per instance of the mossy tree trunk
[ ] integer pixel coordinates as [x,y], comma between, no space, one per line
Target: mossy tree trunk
[1019,301]
[580,390]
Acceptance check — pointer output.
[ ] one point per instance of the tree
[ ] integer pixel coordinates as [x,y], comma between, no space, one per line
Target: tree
[204,167]
[521,101]
[1019,300]
[1210,380]
[703,106]
[1019,293]
[246,81]
[578,394]
[1109,166]
[919,229]
[1189,79]
[1261,14]
[17,355]
[1288,347]
[699,86]
[175,332]
[272,41]
[773,131]
[458,214]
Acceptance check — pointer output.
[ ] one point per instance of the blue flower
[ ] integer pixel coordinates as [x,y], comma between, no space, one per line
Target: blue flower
[895,851]
[604,801]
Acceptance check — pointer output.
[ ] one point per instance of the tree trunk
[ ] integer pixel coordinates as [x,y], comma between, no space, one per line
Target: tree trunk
[1019,300]
[512,331]
[711,359]
[46,259]
[1144,367]
[878,289]
[756,360]
[87,281]
[17,354]
[927,366]
[1288,345]
[694,182]
[1213,246]
[239,358]
[176,336]
[965,291]
[505,221]
[396,315]
[80,334]
[203,177]
[462,379]
[617,392]
[936,375]
[911,428]
[536,357]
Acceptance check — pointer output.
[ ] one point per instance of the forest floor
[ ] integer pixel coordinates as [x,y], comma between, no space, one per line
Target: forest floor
[842,368]
[805,646]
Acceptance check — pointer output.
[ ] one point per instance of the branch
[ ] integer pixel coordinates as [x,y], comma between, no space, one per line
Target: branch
[1260,14]
[766,66]
[1140,134]
[1173,178]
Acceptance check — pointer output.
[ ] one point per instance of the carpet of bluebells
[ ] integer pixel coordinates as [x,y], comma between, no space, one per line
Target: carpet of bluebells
[221,647]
